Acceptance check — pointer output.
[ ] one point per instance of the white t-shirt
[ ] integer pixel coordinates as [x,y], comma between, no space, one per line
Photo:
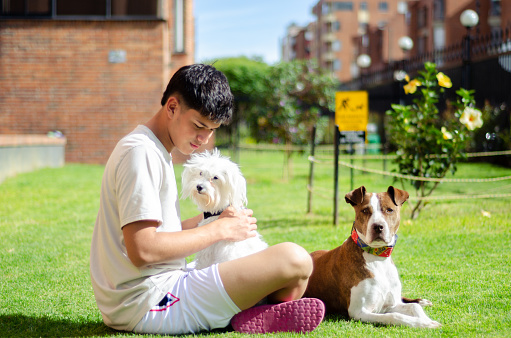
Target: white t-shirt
[138,184]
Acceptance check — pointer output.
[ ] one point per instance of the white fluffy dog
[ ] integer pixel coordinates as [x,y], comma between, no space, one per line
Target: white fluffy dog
[214,182]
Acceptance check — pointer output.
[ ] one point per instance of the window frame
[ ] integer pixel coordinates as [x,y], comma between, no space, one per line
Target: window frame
[52,14]
[383,6]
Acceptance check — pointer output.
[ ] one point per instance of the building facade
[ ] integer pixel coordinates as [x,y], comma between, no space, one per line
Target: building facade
[346,29]
[92,70]
[297,44]
[435,24]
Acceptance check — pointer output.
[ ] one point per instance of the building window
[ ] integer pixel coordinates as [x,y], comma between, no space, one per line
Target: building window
[365,41]
[336,26]
[25,8]
[134,8]
[325,8]
[422,17]
[343,5]
[422,45]
[87,8]
[179,26]
[336,46]
[495,8]
[336,65]
[363,6]
[383,6]
[84,8]
[438,10]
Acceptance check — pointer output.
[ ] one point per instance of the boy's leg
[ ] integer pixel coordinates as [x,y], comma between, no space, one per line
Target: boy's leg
[280,272]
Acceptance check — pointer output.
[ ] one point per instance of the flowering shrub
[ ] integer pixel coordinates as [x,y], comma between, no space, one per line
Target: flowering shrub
[429,142]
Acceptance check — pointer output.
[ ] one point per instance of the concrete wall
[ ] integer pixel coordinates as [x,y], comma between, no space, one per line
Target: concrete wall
[25,153]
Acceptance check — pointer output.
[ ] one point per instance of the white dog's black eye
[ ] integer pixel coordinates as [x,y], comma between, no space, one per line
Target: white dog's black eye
[200,174]
[215,178]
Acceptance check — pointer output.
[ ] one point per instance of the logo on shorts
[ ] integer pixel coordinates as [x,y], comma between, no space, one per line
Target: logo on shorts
[166,302]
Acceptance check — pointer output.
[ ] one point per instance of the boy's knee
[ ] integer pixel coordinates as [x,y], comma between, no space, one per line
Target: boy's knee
[297,260]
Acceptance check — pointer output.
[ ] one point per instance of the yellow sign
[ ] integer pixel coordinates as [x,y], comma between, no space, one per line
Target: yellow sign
[351,110]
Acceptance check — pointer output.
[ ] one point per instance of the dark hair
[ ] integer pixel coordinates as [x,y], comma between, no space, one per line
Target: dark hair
[202,88]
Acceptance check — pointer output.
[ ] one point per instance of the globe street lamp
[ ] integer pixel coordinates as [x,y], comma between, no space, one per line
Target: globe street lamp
[363,62]
[406,45]
[468,19]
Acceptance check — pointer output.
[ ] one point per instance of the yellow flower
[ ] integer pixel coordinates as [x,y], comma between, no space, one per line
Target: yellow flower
[447,135]
[471,118]
[443,80]
[411,87]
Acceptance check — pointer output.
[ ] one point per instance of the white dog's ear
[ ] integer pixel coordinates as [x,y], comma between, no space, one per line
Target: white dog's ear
[185,181]
[242,190]
[238,196]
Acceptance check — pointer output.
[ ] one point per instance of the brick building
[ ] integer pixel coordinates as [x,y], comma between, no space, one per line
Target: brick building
[90,69]
[297,42]
[343,30]
[346,29]
[436,24]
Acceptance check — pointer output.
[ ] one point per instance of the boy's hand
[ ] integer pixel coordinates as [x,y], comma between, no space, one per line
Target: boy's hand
[237,225]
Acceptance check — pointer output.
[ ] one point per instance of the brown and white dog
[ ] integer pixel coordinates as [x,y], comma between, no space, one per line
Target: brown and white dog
[359,279]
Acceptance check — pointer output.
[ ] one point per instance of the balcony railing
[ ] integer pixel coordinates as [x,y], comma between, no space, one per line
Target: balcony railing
[481,47]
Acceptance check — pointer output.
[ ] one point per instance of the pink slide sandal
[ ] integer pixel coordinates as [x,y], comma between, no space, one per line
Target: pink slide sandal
[301,315]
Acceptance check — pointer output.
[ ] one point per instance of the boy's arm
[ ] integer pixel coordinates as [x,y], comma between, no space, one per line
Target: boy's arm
[145,246]
[192,222]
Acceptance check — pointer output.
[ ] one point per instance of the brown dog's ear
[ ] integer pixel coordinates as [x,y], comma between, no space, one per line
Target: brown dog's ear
[398,196]
[356,196]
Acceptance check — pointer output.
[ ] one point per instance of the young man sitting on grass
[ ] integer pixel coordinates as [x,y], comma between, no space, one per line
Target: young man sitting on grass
[139,245]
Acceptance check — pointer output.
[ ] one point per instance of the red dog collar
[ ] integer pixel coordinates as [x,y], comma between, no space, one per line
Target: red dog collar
[384,251]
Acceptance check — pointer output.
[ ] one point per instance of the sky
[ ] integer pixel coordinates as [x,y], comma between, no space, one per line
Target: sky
[231,28]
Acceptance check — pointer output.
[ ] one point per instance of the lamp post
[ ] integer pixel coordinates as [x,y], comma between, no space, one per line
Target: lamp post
[363,62]
[406,45]
[468,19]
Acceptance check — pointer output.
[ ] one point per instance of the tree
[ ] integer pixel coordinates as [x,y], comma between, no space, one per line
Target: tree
[281,103]
[297,92]
[248,82]
[430,145]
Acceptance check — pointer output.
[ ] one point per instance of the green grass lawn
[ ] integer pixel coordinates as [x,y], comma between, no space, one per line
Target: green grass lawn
[452,254]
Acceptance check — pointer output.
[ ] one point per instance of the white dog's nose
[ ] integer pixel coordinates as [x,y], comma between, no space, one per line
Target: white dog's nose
[200,187]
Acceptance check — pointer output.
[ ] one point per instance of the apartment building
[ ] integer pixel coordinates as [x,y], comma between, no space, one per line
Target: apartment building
[297,42]
[346,29]
[91,69]
[436,24]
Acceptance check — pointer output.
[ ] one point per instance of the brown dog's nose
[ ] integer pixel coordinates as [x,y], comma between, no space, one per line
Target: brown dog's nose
[378,228]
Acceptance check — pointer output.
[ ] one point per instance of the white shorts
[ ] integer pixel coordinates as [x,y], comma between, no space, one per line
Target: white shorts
[196,302]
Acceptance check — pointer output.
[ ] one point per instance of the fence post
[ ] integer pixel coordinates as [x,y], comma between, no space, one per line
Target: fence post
[352,152]
[336,174]
[311,170]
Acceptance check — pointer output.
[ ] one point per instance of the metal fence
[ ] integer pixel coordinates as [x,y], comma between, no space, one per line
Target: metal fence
[481,63]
